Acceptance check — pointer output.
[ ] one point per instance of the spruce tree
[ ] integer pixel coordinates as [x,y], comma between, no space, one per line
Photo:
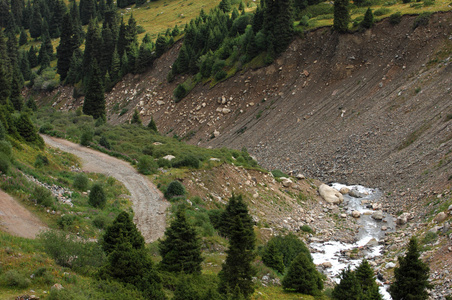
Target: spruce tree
[136,118]
[68,43]
[368,20]
[32,57]
[181,248]
[273,258]
[225,6]
[236,207]
[237,271]
[365,276]
[93,47]
[122,230]
[303,277]
[5,75]
[87,10]
[23,38]
[341,16]
[94,104]
[16,88]
[97,197]
[160,45]
[36,23]
[411,277]
[4,13]
[348,288]
[151,125]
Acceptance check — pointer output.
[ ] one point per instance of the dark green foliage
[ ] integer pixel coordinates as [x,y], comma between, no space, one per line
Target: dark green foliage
[175,188]
[27,130]
[289,246]
[103,141]
[303,277]
[215,217]
[87,11]
[147,165]
[273,258]
[23,39]
[93,49]
[395,18]
[101,221]
[97,197]
[136,118]
[94,104]
[41,160]
[181,248]
[341,16]
[123,230]
[237,272]
[160,45]
[4,164]
[86,138]
[35,23]
[411,277]
[180,92]
[2,132]
[42,196]
[365,276]
[13,279]
[187,161]
[66,221]
[71,251]
[225,6]
[422,20]
[368,20]
[16,88]
[32,57]
[68,43]
[152,125]
[236,207]
[31,104]
[348,288]
[220,75]
[81,182]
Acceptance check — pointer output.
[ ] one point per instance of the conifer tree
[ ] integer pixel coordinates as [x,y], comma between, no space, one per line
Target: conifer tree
[365,276]
[5,75]
[151,125]
[160,45]
[94,104]
[24,65]
[411,277]
[75,69]
[16,88]
[368,20]
[236,207]
[303,277]
[341,16]
[17,8]
[348,288]
[122,230]
[97,197]
[23,39]
[136,118]
[108,47]
[273,258]
[237,271]
[115,67]
[68,43]
[87,11]
[4,13]
[225,6]
[32,57]
[93,47]
[181,248]
[36,23]
[56,21]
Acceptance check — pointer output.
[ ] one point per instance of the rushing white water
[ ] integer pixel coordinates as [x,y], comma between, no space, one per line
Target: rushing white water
[369,234]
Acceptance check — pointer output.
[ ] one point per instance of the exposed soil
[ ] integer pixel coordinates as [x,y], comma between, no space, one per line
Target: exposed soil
[149,205]
[17,220]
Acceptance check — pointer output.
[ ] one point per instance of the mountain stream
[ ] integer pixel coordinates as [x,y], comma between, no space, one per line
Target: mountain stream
[336,255]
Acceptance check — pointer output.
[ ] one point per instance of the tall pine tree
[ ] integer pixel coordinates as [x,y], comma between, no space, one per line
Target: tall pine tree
[181,248]
[303,277]
[68,43]
[411,277]
[94,104]
[341,16]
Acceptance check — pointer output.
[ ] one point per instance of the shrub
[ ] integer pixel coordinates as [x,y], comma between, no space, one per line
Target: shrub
[6,149]
[104,142]
[175,188]
[86,138]
[422,20]
[187,161]
[41,160]
[12,278]
[279,173]
[381,11]
[220,75]
[395,18]
[215,217]
[101,221]
[46,128]
[66,221]
[97,196]
[42,196]
[81,182]
[306,228]
[180,92]
[164,163]
[430,237]
[147,165]
[4,164]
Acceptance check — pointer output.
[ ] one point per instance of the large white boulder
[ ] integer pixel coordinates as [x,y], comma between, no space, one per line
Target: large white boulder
[330,194]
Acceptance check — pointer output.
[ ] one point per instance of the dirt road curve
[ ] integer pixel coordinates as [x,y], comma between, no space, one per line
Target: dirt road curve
[148,202]
[16,219]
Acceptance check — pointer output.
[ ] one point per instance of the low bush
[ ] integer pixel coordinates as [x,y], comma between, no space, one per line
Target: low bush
[180,92]
[12,278]
[395,18]
[279,173]
[306,228]
[42,196]
[101,221]
[46,128]
[81,182]
[41,160]
[4,164]
[422,20]
[147,165]
[97,197]
[381,11]
[174,189]
[66,221]
[104,142]
[187,161]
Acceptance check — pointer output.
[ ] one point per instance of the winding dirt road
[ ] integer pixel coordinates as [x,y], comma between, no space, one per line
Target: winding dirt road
[149,205]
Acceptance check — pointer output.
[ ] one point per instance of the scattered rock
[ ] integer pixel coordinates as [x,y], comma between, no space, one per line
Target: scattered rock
[356,214]
[440,217]
[169,157]
[57,287]
[344,190]
[390,265]
[378,215]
